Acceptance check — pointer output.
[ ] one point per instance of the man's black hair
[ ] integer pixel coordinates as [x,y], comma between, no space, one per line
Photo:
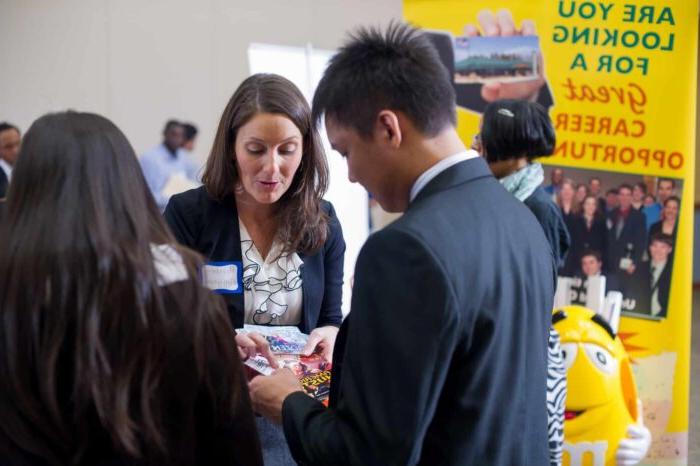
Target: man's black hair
[662,238]
[397,69]
[169,124]
[592,252]
[190,131]
[4,126]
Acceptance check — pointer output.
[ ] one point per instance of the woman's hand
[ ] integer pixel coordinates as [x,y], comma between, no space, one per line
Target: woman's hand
[250,344]
[322,340]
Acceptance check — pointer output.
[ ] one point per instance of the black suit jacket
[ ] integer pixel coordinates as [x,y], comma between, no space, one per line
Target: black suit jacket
[549,215]
[442,360]
[211,228]
[638,289]
[633,232]
[582,239]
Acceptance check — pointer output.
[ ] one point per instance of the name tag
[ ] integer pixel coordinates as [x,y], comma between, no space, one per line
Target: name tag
[223,277]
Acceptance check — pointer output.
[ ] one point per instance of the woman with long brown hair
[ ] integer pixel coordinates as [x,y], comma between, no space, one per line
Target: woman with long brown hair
[111,352]
[274,247]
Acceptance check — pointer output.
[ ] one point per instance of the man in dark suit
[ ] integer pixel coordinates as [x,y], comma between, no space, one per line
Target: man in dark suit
[442,360]
[648,289]
[9,150]
[626,235]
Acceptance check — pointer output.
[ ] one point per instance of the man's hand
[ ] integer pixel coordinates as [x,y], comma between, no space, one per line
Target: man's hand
[502,24]
[250,344]
[321,340]
[268,393]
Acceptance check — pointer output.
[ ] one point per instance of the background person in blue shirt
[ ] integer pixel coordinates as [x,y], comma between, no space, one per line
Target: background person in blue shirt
[166,160]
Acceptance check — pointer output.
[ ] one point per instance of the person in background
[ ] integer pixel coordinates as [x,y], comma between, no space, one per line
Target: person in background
[626,234]
[589,232]
[556,178]
[592,266]
[639,190]
[665,188]
[167,166]
[261,212]
[112,351]
[612,201]
[648,201]
[591,263]
[581,193]
[190,137]
[669,218]
[566,200]
[595,187]
[513,134]
[10,140]
[660,268]
[649,286]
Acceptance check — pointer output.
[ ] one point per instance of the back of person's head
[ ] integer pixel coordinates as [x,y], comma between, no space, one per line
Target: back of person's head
[302,222]
[513,129]
[399,70]
[85,326]
[190,131]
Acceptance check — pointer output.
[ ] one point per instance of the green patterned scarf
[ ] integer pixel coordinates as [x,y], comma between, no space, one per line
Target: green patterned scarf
[523,183]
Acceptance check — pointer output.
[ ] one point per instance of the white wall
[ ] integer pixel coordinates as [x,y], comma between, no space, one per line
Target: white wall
[142,62]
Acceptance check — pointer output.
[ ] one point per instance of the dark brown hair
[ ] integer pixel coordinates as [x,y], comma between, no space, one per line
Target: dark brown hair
[512,129]
[86,327]
[303,226]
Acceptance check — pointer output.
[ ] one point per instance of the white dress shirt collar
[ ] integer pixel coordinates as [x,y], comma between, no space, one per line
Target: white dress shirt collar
[7,168]
[428,175]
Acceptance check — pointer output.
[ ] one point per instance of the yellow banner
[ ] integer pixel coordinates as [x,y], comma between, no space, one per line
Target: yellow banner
[619,80]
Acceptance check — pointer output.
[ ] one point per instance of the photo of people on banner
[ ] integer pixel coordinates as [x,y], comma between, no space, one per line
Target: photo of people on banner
[622,227]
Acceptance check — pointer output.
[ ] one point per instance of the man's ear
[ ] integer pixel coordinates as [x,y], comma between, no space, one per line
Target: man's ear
[388,128]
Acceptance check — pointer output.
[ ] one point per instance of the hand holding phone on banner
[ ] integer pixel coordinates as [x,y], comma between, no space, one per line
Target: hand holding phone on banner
[502,25]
